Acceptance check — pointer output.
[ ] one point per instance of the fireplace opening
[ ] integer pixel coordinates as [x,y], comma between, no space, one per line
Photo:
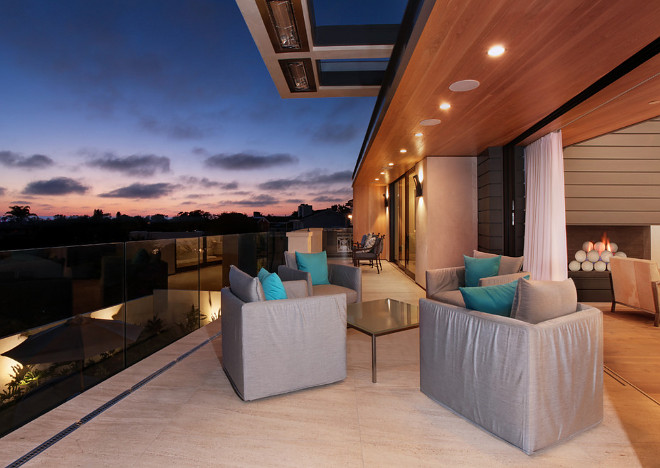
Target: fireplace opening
[598,244]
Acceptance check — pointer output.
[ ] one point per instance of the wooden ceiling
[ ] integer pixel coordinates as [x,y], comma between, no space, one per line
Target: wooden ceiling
[554,50]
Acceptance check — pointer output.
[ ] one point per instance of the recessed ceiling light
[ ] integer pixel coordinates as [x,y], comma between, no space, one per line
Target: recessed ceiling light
[445,106]
[464,85]
[419,134]
[430,122]
[382,173]
[403,150]
[390,164]
[376,178]
[496,50]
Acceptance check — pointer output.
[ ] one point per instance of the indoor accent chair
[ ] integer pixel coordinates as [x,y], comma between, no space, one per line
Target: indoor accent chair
[442,284]
[344,279]
[636,283]
[280,346]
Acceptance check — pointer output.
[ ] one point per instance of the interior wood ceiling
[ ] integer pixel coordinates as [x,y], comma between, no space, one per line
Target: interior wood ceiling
[555,49]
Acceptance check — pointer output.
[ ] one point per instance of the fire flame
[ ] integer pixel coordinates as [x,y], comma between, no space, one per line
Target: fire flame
[601,246]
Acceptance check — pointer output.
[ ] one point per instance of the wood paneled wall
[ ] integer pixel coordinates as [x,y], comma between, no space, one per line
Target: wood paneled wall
[614,179]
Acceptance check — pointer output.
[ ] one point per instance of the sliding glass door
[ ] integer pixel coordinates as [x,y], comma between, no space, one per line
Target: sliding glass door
[402,226]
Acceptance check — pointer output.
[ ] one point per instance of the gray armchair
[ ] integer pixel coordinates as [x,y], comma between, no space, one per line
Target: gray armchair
[533,385]
[344,279]
[442,284]
[280,346]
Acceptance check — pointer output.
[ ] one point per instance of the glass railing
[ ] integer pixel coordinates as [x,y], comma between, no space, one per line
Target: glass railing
[71,317]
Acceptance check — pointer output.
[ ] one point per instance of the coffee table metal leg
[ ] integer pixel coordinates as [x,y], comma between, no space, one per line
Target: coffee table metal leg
[373,358]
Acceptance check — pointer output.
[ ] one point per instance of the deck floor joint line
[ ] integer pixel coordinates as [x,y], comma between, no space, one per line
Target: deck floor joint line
[630,384]
[88,417]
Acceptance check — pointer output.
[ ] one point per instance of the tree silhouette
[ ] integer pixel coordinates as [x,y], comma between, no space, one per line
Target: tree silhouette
[19,213]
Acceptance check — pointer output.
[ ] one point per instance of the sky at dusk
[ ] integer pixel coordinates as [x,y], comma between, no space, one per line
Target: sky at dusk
[159,106]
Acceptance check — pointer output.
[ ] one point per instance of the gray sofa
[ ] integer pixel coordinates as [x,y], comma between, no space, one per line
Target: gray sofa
[279,346]
[533,385]
[442,284]
[344,279]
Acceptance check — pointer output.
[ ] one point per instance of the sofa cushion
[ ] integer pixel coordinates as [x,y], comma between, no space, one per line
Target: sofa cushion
[316,264]
[244,286]
[453,297]
[477,268]
[508,265]
[329,289]
[496,300]
[538,301]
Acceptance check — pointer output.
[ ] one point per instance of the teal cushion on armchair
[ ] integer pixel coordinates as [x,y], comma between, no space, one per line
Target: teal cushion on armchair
[477,268]
[316,264]
[272,284]
[496,300]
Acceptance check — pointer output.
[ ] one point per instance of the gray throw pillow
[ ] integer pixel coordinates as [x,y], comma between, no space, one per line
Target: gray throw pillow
[508,265]
[244,286]
[538,301]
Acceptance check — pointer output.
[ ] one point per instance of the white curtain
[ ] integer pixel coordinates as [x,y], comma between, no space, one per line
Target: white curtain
[545,216]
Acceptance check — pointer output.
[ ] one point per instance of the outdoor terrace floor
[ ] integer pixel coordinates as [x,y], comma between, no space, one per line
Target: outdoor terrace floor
[189,416]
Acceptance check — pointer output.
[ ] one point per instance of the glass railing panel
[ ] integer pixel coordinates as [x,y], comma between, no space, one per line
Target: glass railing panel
[61,312]
[210,278]
[164,305]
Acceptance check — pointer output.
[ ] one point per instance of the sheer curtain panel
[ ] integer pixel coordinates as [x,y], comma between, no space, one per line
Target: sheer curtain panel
[545,217]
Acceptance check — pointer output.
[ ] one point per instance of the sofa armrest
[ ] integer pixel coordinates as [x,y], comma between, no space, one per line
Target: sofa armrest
[295,288]
[501,279]
[291,274]
[347,276]
[531,385]
[444,279]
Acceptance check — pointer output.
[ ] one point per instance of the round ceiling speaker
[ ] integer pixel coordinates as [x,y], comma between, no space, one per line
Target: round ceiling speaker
[464,85]
[430,122]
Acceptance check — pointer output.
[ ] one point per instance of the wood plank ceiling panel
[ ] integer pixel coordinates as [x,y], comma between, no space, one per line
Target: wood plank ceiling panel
[554,51]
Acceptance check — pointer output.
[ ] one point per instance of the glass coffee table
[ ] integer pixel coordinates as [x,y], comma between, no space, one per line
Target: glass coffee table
[381,317]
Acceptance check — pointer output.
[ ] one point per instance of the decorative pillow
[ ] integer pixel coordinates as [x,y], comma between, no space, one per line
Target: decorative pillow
[263,274]
[538,301]
[494,300]
[316,264]
[273,287]
[477,268]
[369,243]
[244,286]
[508,265]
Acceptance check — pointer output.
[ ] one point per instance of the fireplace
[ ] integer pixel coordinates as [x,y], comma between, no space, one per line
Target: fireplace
[592,278]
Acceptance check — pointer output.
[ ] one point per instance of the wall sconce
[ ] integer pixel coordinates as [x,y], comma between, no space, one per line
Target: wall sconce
[387,202]
[418,186]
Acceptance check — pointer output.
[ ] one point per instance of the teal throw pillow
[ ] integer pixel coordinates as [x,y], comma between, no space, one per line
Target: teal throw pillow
[316,264]
[273,287]
[477,268]
[263,273]
[496,300]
